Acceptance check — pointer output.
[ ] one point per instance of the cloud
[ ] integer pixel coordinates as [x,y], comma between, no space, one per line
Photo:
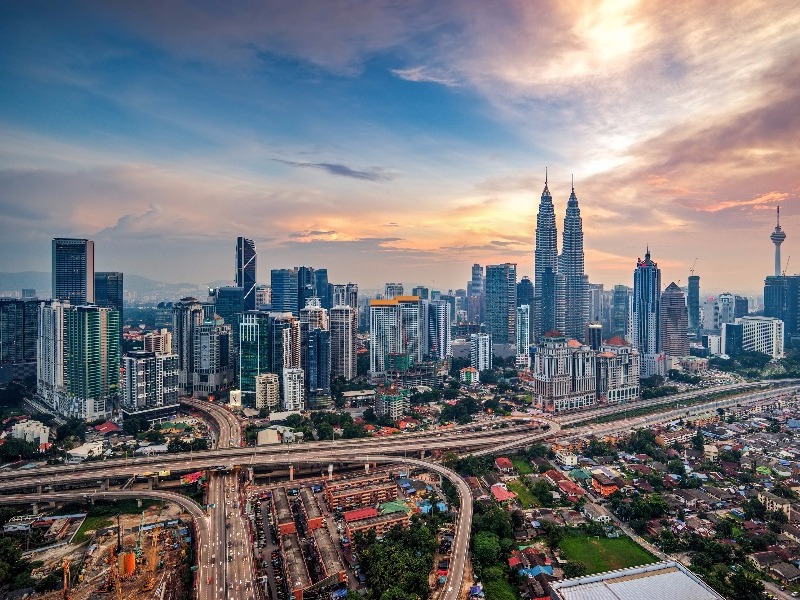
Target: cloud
[370,174]
[423,75]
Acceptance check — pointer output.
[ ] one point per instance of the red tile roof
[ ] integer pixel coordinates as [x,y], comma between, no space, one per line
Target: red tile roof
[501,494]
[107,427]
[503,463]
[359,514]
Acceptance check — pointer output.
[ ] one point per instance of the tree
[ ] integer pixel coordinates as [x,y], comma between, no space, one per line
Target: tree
[574,569]
[486,547]
[698,441]
[746,585]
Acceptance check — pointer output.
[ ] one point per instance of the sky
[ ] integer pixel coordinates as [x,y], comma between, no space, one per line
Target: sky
[400,140]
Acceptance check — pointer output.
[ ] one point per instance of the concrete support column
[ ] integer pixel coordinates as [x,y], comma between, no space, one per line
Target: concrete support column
[149,483]
[139,503]
[39,488]
[34,509]
[103,484]
[291,472]
[330,472]
[366,468]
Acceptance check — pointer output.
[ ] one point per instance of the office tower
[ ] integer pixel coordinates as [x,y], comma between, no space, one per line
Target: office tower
[343,342]
[73,270]
[284,340]
[313,315]
[620,310]
[480,351]
[523,341]
[213,368]
[91,361]
[501,302]
[268,391]
[476,298]
[346,295]
[563,375]
[50,353]
[777,237]
[617,372]
[646,316]
[551,303]
[421,291]
[762,334]
[229,303]
[437,339]
[108,290]
[674,322]
[740,307]
[254,357]
[315,352]
[732,342]
[160,342]
[263,296]
[187,316]
[28,293]
[525,291]
[283,285]
[571,266]
[293,387]
[547,310]
[594,336]
[306,287]
[246,271]
[19,332]
[395,335]
[451,300]
[150,386]
[323,289]
[693,304]
[710,315]
[392,290]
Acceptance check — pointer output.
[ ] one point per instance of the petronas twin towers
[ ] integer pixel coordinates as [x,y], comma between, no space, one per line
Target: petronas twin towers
[561,288]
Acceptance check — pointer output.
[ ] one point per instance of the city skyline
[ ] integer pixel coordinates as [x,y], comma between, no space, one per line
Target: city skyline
[401,142]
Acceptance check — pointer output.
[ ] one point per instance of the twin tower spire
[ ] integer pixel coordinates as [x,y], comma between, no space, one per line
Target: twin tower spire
[561,288]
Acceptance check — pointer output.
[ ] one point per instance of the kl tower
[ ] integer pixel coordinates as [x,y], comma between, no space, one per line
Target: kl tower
[777,238]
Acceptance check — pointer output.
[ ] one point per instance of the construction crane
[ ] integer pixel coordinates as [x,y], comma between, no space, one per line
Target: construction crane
[112,583]
[65,568]
[152,558]
[138,550]
[693,265]
[786,266]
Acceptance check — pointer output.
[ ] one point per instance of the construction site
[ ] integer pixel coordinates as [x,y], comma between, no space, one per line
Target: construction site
[138,557]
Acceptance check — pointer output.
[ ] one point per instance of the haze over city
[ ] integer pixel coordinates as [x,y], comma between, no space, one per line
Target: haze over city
[399,141]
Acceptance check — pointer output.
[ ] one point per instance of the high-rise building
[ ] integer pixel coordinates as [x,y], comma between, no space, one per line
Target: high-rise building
[108,290]
[594,336]
[28,293]
[693,304]
[158,342]
[263,296]
[551,304]
[229,303]
[620,310]
[393,289]
[73,270]
[437,339]
[293,389]
[762,334]
[91,361]
[777,237]
[480,351]
[523,340]
[617,372]
[50,372]
[421,291]
[268,395]
[213,365]
[343,342]
[395,335]
[571,266]
[548,284]
[476,298]
[346,295]
[563,375]
[740,307]
[285,346]
[150,385]
[525,291]
[674,322]
[315,353]
[310,284]
[646,316]
[246,272]
[283,285]
[187,316]
[597,303]
[254,356]
[501,302]
[19,332]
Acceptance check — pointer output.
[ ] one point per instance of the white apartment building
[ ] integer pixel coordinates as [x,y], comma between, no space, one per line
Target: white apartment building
[293,389]
[267,391]
[480,351]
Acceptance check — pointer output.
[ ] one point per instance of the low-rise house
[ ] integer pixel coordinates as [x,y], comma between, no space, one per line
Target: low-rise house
[503,464]
[595,514]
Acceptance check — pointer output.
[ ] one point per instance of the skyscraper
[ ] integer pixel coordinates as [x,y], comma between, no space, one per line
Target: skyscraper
[545,268]
[91,361]
[213,352]
[73,270]
[187,316]
[150,384]
[283,285]
[476,298]
[313,283]
[268,394]
[571,266]
[480,351]
[19,331]
[674,322]
[777,237]
[395,335]
[229,304]
[50,353]
[693,302]
[437,332]
[109,291]
[421,291]
[343,342]
[315,352]
[620,311]
[501,302]
[246,271]
[646,316]
[523,336]
[393,289]
[254,357]
[525,291]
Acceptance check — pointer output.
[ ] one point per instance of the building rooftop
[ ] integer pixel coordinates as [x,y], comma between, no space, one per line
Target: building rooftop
[283,513]
[327,551]
[660,581]
[295,565]
[310,503]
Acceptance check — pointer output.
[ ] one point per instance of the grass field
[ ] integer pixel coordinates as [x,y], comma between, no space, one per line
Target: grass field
[603,554]
[526,499]
[90,524]
[522,466]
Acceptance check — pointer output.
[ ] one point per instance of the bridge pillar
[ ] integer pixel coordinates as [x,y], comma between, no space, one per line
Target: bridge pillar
[139,503]
[421,454]
[51,504]
[291,472]
[149,483]
[366,468]
[39,489]
[330,472]
[34,509]
[103,483]
[106,483]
